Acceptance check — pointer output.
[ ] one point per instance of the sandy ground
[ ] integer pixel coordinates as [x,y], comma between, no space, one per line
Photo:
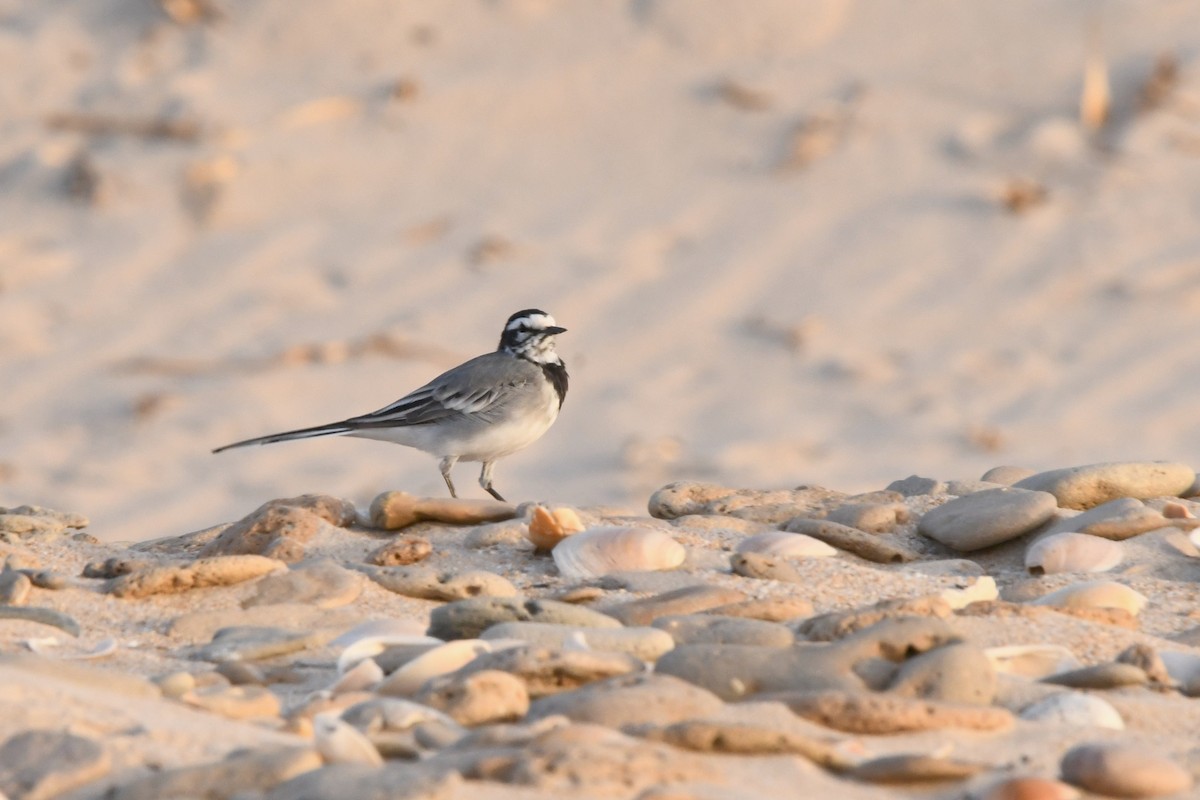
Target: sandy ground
[777,237]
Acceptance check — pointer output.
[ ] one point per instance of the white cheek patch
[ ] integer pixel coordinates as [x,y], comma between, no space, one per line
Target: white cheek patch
[536,322]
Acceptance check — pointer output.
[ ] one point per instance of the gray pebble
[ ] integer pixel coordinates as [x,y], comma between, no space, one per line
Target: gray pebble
[1117,519]
[45,764]
[914,485]
[688,600]
[1123,769]
[1088,486]
[466,619]
[318,582]
[1110,675]
[714,629]
[986,518]
[630,700]
[1006,476]
[646,644]
[955,673]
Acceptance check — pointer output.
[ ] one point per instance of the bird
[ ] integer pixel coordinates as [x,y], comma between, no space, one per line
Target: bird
[482,410]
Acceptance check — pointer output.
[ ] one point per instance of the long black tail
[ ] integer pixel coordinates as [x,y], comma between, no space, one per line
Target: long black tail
[304,433]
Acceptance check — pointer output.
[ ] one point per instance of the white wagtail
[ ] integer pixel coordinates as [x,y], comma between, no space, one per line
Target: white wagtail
[484,409]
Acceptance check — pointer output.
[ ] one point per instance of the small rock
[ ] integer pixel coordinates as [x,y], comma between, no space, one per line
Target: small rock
[1148,660]
[14,588]
[340,743]
[1088,486]
[430,584]
[986,518]
[1117,519]
[239,673]
[686,498]
[713,629]
[1123,770]
[394,781]
[45,579]
[963,488]
[28,521]
[477,698]
[843,537]
[1095,595]
[870,517]
[914,768]
[1100,676]
[202,573]
[1075,709]
[1006,476]
[39,765]
[771,609]
[914,486]
[500,534]
[954,673]
[395,510]
[235,702]
[245,771]
[321,583]
[176,684]
[433,663]
[1031,789]
[402,551]
[708,736]
[858,712]
[644,698]
[251,643]
[115,567]
[466,619]
[839,624]
[280,528]
[687,600]
[546,670]
[645,644]
[781,544]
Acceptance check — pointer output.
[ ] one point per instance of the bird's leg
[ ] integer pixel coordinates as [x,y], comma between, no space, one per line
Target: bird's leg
[485,480]
[445,466]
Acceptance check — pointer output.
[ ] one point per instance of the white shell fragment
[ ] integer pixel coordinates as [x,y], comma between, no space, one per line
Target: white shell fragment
[441,660]
[372,638]
[1096,594]
[360,677]
[981,590]
[1077,709]
[1073,552]
[1032,661]
[786,545]
[341,743]
[603,551]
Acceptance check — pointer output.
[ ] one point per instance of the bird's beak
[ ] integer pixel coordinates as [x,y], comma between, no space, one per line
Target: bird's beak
[553,330]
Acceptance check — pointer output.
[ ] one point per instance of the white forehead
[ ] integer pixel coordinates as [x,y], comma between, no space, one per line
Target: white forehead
[536,321]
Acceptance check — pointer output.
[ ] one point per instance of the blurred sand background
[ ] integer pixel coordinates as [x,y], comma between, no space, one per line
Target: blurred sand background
[828,242]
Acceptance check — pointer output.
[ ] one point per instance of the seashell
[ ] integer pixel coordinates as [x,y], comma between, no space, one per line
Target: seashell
[1095,594]
[549,527]
[786,545]
[1075,708]
[1032,660]
[340,743]
[980,590]
[372,638]
[601,551]
[438,661]
[45,646]
[361,677]
[1073,552]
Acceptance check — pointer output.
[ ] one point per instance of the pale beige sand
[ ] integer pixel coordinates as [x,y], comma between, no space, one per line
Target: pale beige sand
[732,316]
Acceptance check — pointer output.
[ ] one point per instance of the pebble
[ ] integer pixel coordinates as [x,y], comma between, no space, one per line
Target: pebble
[402,551]
[771,507]
[1095,595]
[251,643]
[14,588]
[987,518]
[45,579]
[785,545]
[1006,475]
[858,712]
[42,616]
[248,772]
[711,736]
[643,698]
[548,670]
[466,619]
[1110,675]
[915,486]
[395,780]
[843,537]
[44,764]
[1118,519]
[395,510]
[340,743]
[277,529]
[321,583]
[643,643]
[686,600]
[1088,486]
[1148,660]
[1076,709]
[477,698]
[200,626]
[914,768]
[435,662]
[235,702]
[839,624]
[430,584]
[771,609]
[871,517]
[1072,552]
[199,574]
[714,629]
[1031,789]
[954,673]
[240,673]
[761,566]
[500,534]
[176,684]
[1123,770]
[363,676]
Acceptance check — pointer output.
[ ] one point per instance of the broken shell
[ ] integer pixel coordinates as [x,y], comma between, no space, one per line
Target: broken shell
[547,528]
[980,590]
[602,551]
[340,743]
[361,677]
[371,638]
[1096,594]
[1073,552]
[441,660]
[1032,660]
[786,545]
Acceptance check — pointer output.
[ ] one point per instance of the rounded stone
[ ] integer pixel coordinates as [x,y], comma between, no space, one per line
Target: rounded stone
[1031,789]
[1006,475]
[986,518]
[466,619]
[1123,770]
[646,644]
[645,698]
[1075,709]
[714,629]
[479,698]
[1090,485]
[955,673]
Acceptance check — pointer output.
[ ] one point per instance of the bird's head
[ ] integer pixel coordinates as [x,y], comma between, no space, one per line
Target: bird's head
[530,334]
